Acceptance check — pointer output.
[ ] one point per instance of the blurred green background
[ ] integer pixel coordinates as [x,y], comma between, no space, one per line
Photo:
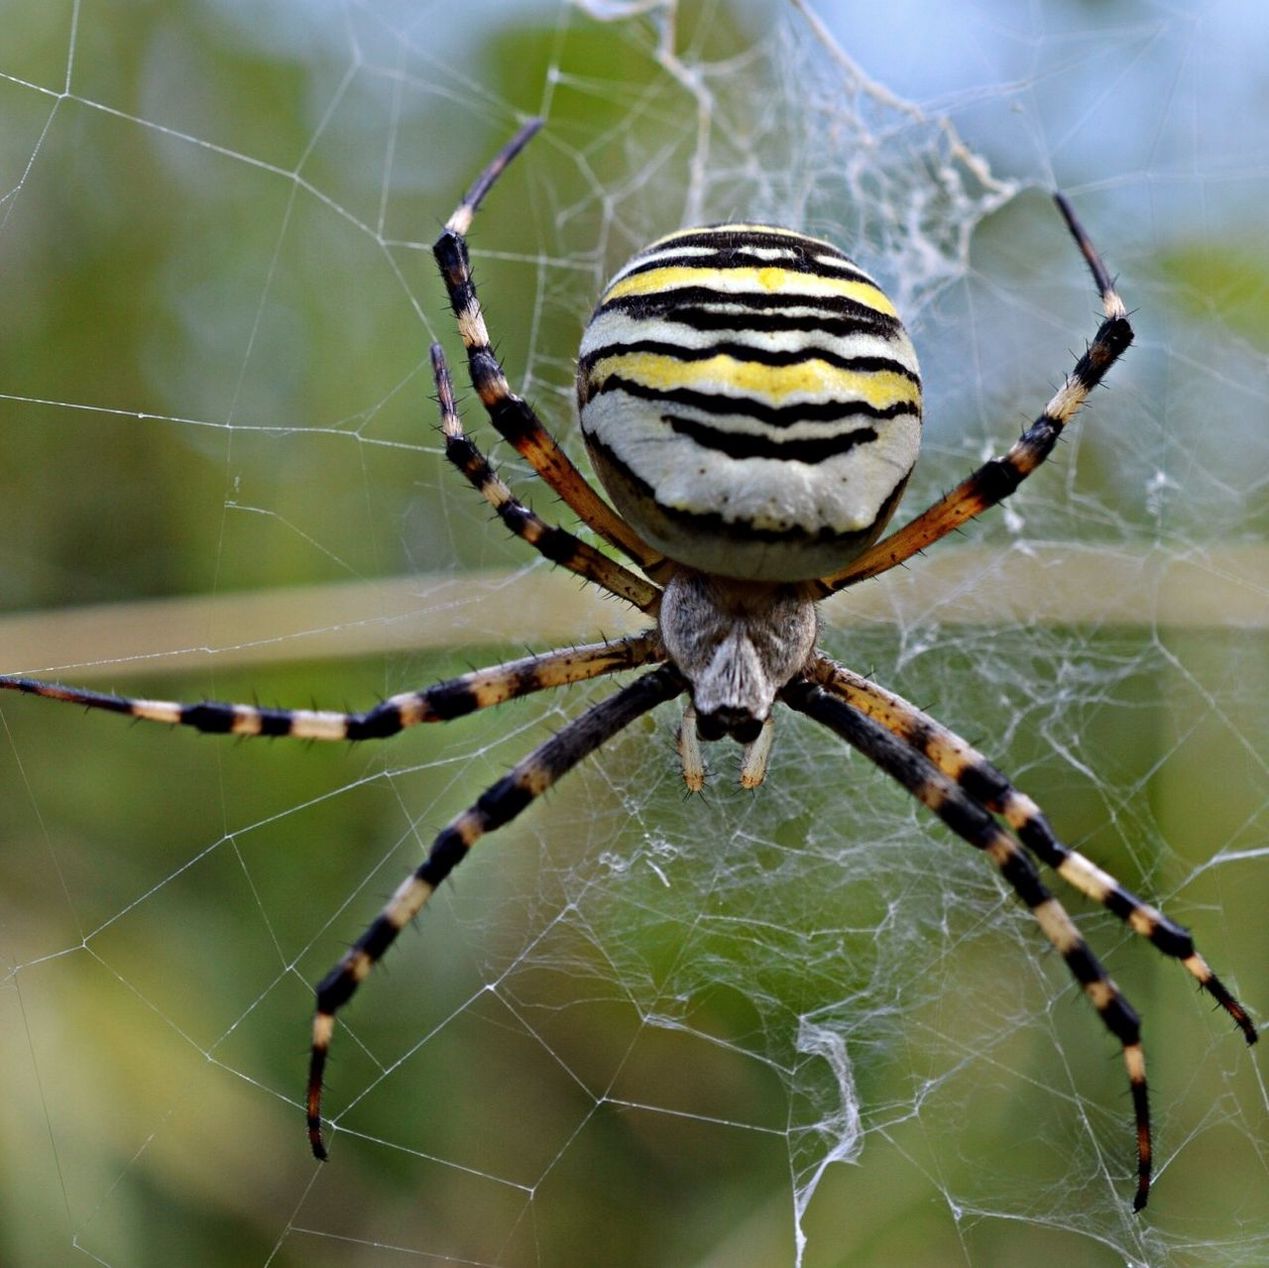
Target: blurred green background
[636,1026]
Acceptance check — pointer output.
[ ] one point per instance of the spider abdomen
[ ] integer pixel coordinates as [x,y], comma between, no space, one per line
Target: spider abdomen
[750,400]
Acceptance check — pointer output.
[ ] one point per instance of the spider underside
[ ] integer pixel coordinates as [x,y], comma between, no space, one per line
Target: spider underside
[734,645]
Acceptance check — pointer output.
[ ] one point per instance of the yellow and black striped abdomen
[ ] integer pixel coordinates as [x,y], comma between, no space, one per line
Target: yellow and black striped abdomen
[751,401]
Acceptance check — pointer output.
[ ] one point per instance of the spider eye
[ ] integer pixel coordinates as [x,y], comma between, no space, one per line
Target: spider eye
[751,401]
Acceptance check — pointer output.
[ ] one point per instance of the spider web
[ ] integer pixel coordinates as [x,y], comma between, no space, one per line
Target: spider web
[637,1027]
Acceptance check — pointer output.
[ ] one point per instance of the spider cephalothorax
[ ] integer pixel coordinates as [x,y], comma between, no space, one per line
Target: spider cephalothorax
[737,643]
[752,404]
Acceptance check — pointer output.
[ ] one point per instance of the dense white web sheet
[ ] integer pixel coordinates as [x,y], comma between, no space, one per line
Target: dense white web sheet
[639,1027]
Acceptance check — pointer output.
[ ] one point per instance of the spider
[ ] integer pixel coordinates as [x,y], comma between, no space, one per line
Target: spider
[752,405]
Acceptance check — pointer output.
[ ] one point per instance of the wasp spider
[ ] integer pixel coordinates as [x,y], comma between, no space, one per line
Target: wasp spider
[752,405]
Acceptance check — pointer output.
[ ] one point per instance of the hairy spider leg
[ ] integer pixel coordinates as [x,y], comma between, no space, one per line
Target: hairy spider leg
[513,417]
[556,544]
[985,785]
[997,478]
[941,794]
[498,805]
[439,703]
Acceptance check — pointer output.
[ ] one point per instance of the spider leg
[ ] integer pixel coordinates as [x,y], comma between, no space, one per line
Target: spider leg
[996,479]
[972,823]
[510,414]
[988,787]
[554,543]
[439,703]
[498,805]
